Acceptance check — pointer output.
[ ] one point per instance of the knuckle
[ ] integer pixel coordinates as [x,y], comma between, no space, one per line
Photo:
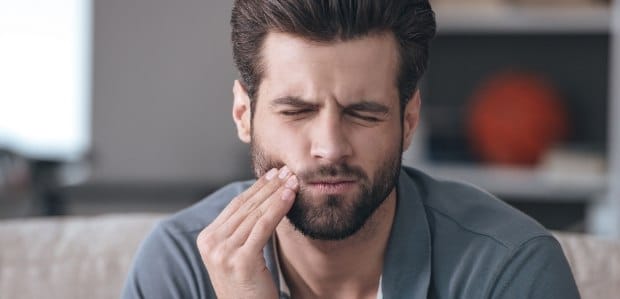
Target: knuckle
[206,240]
[239,199]
[254,216]
[241,267]
[258,213]
[220,257]
[248,206]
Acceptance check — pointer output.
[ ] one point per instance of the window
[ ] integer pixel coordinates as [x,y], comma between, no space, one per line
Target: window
[45,78]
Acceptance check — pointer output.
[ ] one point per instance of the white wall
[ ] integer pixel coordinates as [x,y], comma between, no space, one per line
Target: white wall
[163,75]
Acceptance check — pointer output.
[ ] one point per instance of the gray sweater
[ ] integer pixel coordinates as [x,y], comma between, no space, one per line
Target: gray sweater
[448,240]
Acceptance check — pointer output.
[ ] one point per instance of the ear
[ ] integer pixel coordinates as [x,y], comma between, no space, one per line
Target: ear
[410,118]
[241,112]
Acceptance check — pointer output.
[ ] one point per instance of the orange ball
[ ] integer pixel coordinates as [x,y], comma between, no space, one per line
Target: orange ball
[515,117]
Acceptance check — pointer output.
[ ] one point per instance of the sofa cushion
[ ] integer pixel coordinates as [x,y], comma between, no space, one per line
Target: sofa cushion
[595,264]
[88,257]
[69,257]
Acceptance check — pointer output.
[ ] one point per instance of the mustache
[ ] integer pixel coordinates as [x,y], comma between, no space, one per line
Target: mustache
[332,171]
[342,170]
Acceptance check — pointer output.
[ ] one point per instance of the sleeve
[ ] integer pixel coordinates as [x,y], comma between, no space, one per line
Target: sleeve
[167,265]
[537,269]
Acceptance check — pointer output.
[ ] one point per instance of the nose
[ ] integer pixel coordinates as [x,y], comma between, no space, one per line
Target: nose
[330,141]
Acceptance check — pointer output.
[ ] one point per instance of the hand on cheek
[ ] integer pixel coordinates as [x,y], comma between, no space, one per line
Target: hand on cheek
[231,247]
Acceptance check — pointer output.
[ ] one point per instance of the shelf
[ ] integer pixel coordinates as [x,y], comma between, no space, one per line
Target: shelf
[525,183]
[489,19]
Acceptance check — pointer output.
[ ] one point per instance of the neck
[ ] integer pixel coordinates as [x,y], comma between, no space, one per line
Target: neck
[348,268]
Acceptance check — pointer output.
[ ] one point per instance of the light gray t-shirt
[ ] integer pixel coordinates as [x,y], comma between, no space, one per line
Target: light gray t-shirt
[448,240]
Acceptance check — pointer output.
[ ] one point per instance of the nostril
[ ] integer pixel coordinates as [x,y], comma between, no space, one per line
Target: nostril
[331,152]
[330,141]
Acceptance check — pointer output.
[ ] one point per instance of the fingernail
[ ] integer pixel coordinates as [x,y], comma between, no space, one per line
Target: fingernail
[288,194]
[283,172]
[271,174]
[291,182]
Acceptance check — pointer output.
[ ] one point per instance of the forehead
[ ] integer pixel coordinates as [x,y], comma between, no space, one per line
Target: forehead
[363,67]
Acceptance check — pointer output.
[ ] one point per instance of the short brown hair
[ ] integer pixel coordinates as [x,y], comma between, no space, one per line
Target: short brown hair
[411,21]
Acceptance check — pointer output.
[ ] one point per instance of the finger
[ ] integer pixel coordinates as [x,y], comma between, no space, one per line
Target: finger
[240,199]
[259,226]
[229,226]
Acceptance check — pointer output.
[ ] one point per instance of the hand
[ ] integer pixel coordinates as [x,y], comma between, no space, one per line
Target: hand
[231,247]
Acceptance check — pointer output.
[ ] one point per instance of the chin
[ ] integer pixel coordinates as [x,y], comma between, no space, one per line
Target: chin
[331,217]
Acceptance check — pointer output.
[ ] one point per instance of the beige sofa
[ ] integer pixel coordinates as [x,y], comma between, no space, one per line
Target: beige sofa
[88,257]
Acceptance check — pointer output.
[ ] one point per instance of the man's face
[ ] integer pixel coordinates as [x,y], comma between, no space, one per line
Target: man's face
[330,112]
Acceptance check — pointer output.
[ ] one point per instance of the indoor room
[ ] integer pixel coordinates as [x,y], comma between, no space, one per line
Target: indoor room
[119,117]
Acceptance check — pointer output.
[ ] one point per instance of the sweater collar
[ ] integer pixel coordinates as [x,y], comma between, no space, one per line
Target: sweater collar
[407,263]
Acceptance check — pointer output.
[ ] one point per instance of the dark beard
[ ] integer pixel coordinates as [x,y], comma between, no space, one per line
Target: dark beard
[334,217]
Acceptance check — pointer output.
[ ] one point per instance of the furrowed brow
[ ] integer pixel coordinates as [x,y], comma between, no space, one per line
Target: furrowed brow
[367,106]
[291,101]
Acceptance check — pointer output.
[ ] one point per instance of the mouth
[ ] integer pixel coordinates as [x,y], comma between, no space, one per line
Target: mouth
[331,186]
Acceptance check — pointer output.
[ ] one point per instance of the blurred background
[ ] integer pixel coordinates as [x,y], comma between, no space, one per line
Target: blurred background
[125,106]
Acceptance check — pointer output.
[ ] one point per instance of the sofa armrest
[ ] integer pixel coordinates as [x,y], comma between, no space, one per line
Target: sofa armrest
[595,264]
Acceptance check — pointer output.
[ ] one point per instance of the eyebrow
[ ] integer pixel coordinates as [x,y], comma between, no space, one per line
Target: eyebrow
[291,101]
[364,106]
[368,106]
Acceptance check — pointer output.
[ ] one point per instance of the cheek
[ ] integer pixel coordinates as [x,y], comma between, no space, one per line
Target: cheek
[373,147]
[279,141]
[377,141]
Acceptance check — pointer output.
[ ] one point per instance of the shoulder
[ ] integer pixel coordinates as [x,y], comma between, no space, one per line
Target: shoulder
[168,263]
[482,246]
[179,230]
[174,237]
[463,208]
[202,213]
[536,269]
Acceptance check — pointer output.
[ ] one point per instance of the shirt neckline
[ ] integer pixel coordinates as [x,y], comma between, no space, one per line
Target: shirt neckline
[407,262]
[284,290]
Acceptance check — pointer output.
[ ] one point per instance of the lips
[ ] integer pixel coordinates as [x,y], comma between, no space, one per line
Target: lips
[332,185]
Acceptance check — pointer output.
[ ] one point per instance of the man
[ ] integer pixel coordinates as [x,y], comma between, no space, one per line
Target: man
[328,101]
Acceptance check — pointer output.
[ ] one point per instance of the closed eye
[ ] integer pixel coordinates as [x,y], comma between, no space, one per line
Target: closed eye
[365,117]
[368,111]
[295,112]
